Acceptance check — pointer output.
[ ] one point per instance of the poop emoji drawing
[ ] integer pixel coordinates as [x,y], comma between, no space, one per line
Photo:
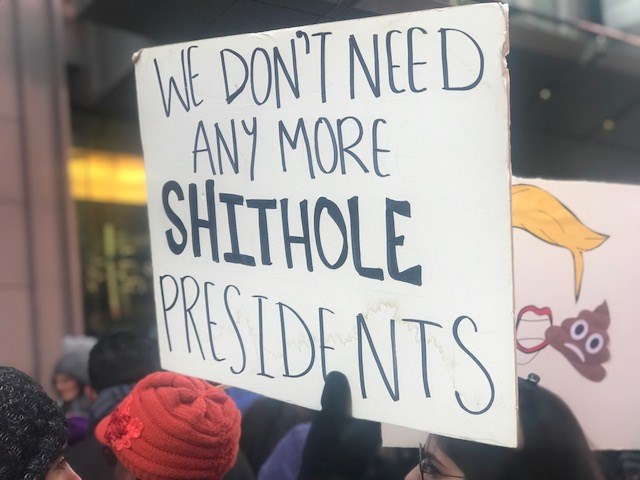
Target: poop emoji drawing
[582,340]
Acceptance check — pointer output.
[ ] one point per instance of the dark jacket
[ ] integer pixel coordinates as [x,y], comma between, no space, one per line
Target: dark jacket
[89,458]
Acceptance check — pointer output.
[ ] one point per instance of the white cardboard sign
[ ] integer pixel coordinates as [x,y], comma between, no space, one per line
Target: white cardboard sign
[336,197]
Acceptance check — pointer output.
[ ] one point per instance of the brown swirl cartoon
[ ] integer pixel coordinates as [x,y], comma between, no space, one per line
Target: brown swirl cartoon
[584,341]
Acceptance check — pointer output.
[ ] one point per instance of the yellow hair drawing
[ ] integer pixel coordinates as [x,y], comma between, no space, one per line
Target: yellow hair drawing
[544,216]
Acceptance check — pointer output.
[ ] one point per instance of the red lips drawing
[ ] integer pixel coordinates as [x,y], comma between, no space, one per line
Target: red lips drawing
[531,324]
[582,340]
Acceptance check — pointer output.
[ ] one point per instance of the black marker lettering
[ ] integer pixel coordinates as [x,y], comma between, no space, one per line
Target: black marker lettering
[411,75]
[176,247]
[267,61]
[334,212]
[262,372]
[188,316]
[423,348]
[291,239]
[262,206]
[201,131]
[390,65]
[253,133]
[323,88]
[210,322]
[287,372]
[231,96]
[208,224]
[278,64]
[354,51]
[445,63]
[394,392]
[456,336]
[235,328]
[234,256]
[376,150]
[323,346]
[293,143]
[166,99]
[347,149]
[192,75]
[334,145]
[411,275]
[220,141]
[354,222]
[166,308]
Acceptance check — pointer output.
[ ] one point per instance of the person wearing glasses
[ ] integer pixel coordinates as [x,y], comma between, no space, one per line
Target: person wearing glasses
[552,444]
[553,447]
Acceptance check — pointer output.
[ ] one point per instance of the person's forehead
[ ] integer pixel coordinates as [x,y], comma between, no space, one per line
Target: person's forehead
[432,447]
[434,450]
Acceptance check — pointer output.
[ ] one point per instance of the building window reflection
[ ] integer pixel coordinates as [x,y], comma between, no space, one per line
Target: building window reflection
[110,195]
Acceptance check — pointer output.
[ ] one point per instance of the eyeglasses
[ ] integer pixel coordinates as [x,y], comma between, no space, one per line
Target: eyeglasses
[427,469]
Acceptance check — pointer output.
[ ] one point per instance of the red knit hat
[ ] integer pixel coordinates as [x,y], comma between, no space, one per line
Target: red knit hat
[173,427]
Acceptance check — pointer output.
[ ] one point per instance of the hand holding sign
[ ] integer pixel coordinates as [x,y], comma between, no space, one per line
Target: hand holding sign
[338,445]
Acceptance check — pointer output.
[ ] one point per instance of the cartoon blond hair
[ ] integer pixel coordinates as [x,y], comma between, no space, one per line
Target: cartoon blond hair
[544,216]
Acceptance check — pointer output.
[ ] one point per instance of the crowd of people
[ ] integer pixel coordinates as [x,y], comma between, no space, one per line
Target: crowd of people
[118,416]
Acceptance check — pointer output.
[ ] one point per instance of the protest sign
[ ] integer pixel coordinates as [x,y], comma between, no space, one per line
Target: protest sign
[577,302]
[577,268]
[336,197]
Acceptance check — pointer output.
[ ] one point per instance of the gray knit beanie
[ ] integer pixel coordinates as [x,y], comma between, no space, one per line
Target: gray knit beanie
[75,359]
[75,365]
[32,429]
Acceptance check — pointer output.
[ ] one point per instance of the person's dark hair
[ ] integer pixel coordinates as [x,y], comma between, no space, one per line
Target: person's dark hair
[553,445]
[122,358]
[32,429]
